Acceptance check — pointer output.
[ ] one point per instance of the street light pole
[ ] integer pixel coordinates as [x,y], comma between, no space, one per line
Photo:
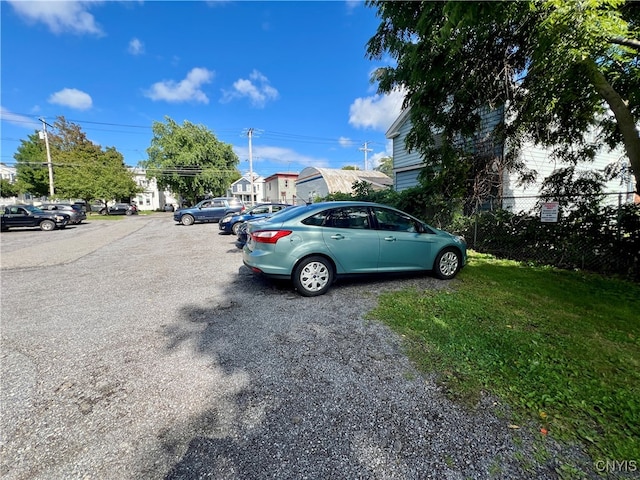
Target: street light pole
[49,164]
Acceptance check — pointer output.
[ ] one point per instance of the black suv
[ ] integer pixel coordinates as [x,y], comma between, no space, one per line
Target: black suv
[209,210]
[30,216]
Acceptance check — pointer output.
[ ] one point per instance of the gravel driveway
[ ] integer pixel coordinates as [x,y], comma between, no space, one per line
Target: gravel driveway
[140,348]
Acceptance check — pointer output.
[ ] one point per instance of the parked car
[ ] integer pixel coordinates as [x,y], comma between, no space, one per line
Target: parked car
[231,222]
[30,216]
[209,210]
[121,209]
[168,207]
[82,205]
[242,234]
[311,245]
[75,212]
[98,207]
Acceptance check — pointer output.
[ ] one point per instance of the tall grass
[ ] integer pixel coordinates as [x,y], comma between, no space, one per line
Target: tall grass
[561,348]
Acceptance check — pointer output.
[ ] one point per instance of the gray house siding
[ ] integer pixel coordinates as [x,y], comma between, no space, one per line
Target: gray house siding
[406,179]
[401,157]
[407,166]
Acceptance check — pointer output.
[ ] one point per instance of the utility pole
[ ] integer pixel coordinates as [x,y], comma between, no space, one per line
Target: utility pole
[49,164]
[250,135]
[365,150]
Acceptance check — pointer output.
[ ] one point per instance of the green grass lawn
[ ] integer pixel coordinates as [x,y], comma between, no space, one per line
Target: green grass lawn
[561,348]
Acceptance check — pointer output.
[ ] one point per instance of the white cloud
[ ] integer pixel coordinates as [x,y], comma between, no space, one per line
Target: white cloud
[352,5]
[187,90]
[257,89]
[136,47]
[374,160]
[72,98]
[346,142]
[19,120]
[60,17]
[377,112]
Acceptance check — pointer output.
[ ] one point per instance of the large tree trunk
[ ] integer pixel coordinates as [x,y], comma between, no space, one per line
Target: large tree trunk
[623,115]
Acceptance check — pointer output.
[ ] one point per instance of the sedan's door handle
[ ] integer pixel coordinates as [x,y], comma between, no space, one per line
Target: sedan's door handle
[337,236]
[390,239]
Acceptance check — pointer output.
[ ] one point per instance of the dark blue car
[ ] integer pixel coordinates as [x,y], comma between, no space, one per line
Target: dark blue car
[209,210]
[231,222]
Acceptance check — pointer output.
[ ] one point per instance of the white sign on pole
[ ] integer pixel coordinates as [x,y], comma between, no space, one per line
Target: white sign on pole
[549,212]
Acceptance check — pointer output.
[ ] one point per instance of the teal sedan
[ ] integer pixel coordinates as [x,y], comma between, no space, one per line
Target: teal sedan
[314,244]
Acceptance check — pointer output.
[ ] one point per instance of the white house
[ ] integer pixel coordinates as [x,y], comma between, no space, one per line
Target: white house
[407,165]
[151,198]
[316,182]
[9,174]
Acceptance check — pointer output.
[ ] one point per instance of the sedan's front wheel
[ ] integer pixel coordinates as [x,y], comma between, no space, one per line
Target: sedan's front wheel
[187,220]
[313,276]
[236,227]
[447,264]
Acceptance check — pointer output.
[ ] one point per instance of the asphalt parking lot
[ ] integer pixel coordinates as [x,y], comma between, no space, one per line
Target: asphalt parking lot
[139,348]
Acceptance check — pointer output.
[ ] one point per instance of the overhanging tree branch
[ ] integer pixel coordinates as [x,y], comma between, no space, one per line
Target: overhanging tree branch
[627,42]
[624,117]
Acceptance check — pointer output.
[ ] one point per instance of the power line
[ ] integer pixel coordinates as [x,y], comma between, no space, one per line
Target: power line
[293,137]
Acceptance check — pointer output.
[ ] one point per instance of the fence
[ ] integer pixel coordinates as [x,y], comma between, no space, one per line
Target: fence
[599,233]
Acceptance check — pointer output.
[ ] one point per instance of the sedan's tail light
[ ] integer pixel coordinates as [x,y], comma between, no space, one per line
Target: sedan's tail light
[269,236]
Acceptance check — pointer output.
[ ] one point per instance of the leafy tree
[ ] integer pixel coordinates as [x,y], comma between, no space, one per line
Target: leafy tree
[350,167]
[84,170]
[565,72]
[8,189]
[81,169]
[386,166]
[189,160]
[32,174]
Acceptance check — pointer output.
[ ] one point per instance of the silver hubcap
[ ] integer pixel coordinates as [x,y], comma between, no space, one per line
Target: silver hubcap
[449,263]
[314,276]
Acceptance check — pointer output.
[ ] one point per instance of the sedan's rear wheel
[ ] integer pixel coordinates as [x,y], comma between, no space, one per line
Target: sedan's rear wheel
[447,264]
[313,276]
[47,225]
[187,220]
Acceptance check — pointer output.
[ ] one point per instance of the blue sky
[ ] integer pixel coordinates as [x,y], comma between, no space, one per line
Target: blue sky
[294,71]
